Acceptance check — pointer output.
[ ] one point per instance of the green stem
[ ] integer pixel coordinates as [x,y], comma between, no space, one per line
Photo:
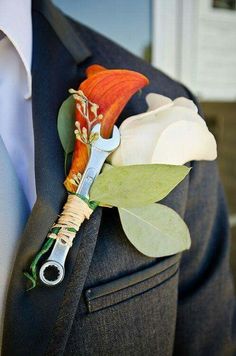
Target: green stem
[32,276]
[65,163]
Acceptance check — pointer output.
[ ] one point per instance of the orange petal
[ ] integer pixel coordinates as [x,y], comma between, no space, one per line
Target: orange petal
[80,157]
[111,90]
[94,69]
[79,162]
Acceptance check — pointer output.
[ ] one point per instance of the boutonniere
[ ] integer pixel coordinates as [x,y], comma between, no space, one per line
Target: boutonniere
[144,163]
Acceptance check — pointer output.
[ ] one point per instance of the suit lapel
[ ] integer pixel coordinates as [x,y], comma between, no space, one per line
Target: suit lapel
[33,318]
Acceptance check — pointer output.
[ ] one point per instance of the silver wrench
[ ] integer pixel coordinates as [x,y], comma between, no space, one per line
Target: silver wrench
[100,150]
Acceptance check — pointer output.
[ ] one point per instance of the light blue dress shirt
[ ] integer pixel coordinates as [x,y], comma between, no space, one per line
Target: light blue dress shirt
[17,174]
[16,126]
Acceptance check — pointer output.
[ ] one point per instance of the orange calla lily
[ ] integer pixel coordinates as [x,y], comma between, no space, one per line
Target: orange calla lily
[94,69]
[100,98]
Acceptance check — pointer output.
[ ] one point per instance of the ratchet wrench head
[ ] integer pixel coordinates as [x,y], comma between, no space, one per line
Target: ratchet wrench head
[51,273]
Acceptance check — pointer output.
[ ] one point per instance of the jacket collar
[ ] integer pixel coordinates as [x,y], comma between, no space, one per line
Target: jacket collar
[35,315]
[63,29]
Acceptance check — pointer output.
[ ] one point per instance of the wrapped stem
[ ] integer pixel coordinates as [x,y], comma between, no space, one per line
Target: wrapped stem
[75,211]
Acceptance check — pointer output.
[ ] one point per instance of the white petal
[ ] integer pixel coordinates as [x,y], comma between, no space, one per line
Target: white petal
[136,118]
[140,134]
[115,158]
[186,103]
[184,141]
[176,113]
[158,102]
[138,140]
[155,101]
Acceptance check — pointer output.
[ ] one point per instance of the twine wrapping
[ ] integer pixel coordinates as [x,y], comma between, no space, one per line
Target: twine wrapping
[75,211]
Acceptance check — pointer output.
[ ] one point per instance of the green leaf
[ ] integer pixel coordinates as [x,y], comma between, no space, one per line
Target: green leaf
[106,167]
[136,185]
[66,124]
[155,230]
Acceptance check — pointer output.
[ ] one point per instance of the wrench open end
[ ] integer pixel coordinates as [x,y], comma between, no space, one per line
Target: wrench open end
[109,144]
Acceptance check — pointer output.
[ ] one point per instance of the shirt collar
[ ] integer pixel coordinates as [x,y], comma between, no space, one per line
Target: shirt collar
[16,23]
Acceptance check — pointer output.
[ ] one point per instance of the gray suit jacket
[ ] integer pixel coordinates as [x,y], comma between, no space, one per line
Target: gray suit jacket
[114,300]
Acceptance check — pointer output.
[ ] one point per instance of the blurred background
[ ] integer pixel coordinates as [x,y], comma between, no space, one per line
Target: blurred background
[193,41]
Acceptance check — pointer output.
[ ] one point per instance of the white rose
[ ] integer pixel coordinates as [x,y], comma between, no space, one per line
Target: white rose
[170,132]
